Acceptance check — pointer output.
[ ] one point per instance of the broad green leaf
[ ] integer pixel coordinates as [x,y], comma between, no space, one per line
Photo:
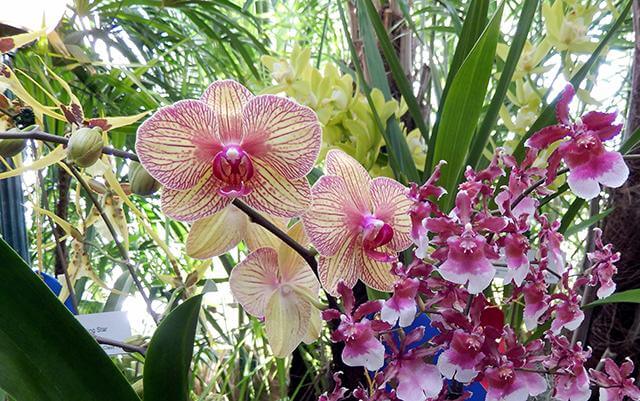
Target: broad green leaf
[399,75]
[630,296]
[515,50]
[474,24]
[463,105]
[166,368]
[548,115]
[45,354]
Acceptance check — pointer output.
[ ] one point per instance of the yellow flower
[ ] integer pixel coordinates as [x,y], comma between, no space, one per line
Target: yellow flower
[568,31]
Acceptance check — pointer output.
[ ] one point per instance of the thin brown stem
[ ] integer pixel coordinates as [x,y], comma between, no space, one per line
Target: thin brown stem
[45,137]
[255,217]
[121,249]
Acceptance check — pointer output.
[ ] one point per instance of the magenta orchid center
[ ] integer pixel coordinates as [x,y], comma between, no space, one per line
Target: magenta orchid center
[375,234]
[233,166]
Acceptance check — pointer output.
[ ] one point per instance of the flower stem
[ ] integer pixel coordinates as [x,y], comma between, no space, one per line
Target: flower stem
[257,218]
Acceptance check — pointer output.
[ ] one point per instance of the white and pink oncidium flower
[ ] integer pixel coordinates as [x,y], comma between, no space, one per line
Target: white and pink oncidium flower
[468,252]
[357,224]
[279,286]
[362,347]
[590,164]
[230,144]
[460,361]
[615,383]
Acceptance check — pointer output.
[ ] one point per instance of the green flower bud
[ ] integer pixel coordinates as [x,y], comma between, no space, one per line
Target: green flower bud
[85,146]
[142,183]
[12,147]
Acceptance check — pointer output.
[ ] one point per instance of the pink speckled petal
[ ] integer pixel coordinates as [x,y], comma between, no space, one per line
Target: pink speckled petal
[178,143]
[391,204]
[227,98]
[276,195]
[373,273]
[254,280]
[282,133]
[195,203]
[547,136]
[326,220]
[562,107]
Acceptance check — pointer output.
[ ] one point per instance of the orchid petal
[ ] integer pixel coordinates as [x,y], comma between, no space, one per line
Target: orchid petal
[355,177]
[178,143]
[287,321]
[562,107]
[259,237]
[282,133]
[195,203]
[227,99]
[546,136]
[341,266]
[585,188]
[617,173]
[276,195]
[418,381]
[315,327]
[254,280]
[375,274]
[596,120]
[217,234]
[391,205]
[326,220]
[293,268]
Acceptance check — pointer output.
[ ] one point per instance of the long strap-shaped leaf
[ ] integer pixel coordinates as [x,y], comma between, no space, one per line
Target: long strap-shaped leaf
[45,354]
[463,105]
[515,50]
[474,24]
[398,74]
[548,116]
[166,368]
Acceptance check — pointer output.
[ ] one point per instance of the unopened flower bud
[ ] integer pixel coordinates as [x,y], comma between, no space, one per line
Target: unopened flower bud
[141,182]
[85,146]
[12,147]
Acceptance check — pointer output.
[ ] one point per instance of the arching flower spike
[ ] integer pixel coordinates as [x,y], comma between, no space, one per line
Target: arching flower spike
[281,287]
[357,224]
[231,144]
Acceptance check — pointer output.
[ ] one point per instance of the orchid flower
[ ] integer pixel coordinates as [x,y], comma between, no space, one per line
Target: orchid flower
[603,270]
[616,383]
[461,360]
[219,233]
[357,331]
[590,164]
[279,286]
[357,224]
[571,383]
[230,144]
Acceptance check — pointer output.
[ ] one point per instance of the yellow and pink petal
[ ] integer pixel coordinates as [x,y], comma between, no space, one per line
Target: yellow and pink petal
[282,133]
[177,144]
[356,178]
[227,99]
[391,205]
[287,320]
[340,267]
[200,201]
[217,234]
[254,280]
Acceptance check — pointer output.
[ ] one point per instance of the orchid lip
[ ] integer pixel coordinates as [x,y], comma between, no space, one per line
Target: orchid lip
[376,233]
[234,168]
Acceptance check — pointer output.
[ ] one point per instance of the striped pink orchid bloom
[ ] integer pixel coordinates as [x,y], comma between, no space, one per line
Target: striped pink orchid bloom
[357,224]
[230,144]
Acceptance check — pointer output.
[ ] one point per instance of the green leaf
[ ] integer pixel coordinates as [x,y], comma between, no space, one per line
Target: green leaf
[548,115]
[515,50]
[166,368]
[45,354]
[631,142]
[398,74]
[571,214]
[630,296]
[400,157]
[474,24]
[463,105]
[587,223]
